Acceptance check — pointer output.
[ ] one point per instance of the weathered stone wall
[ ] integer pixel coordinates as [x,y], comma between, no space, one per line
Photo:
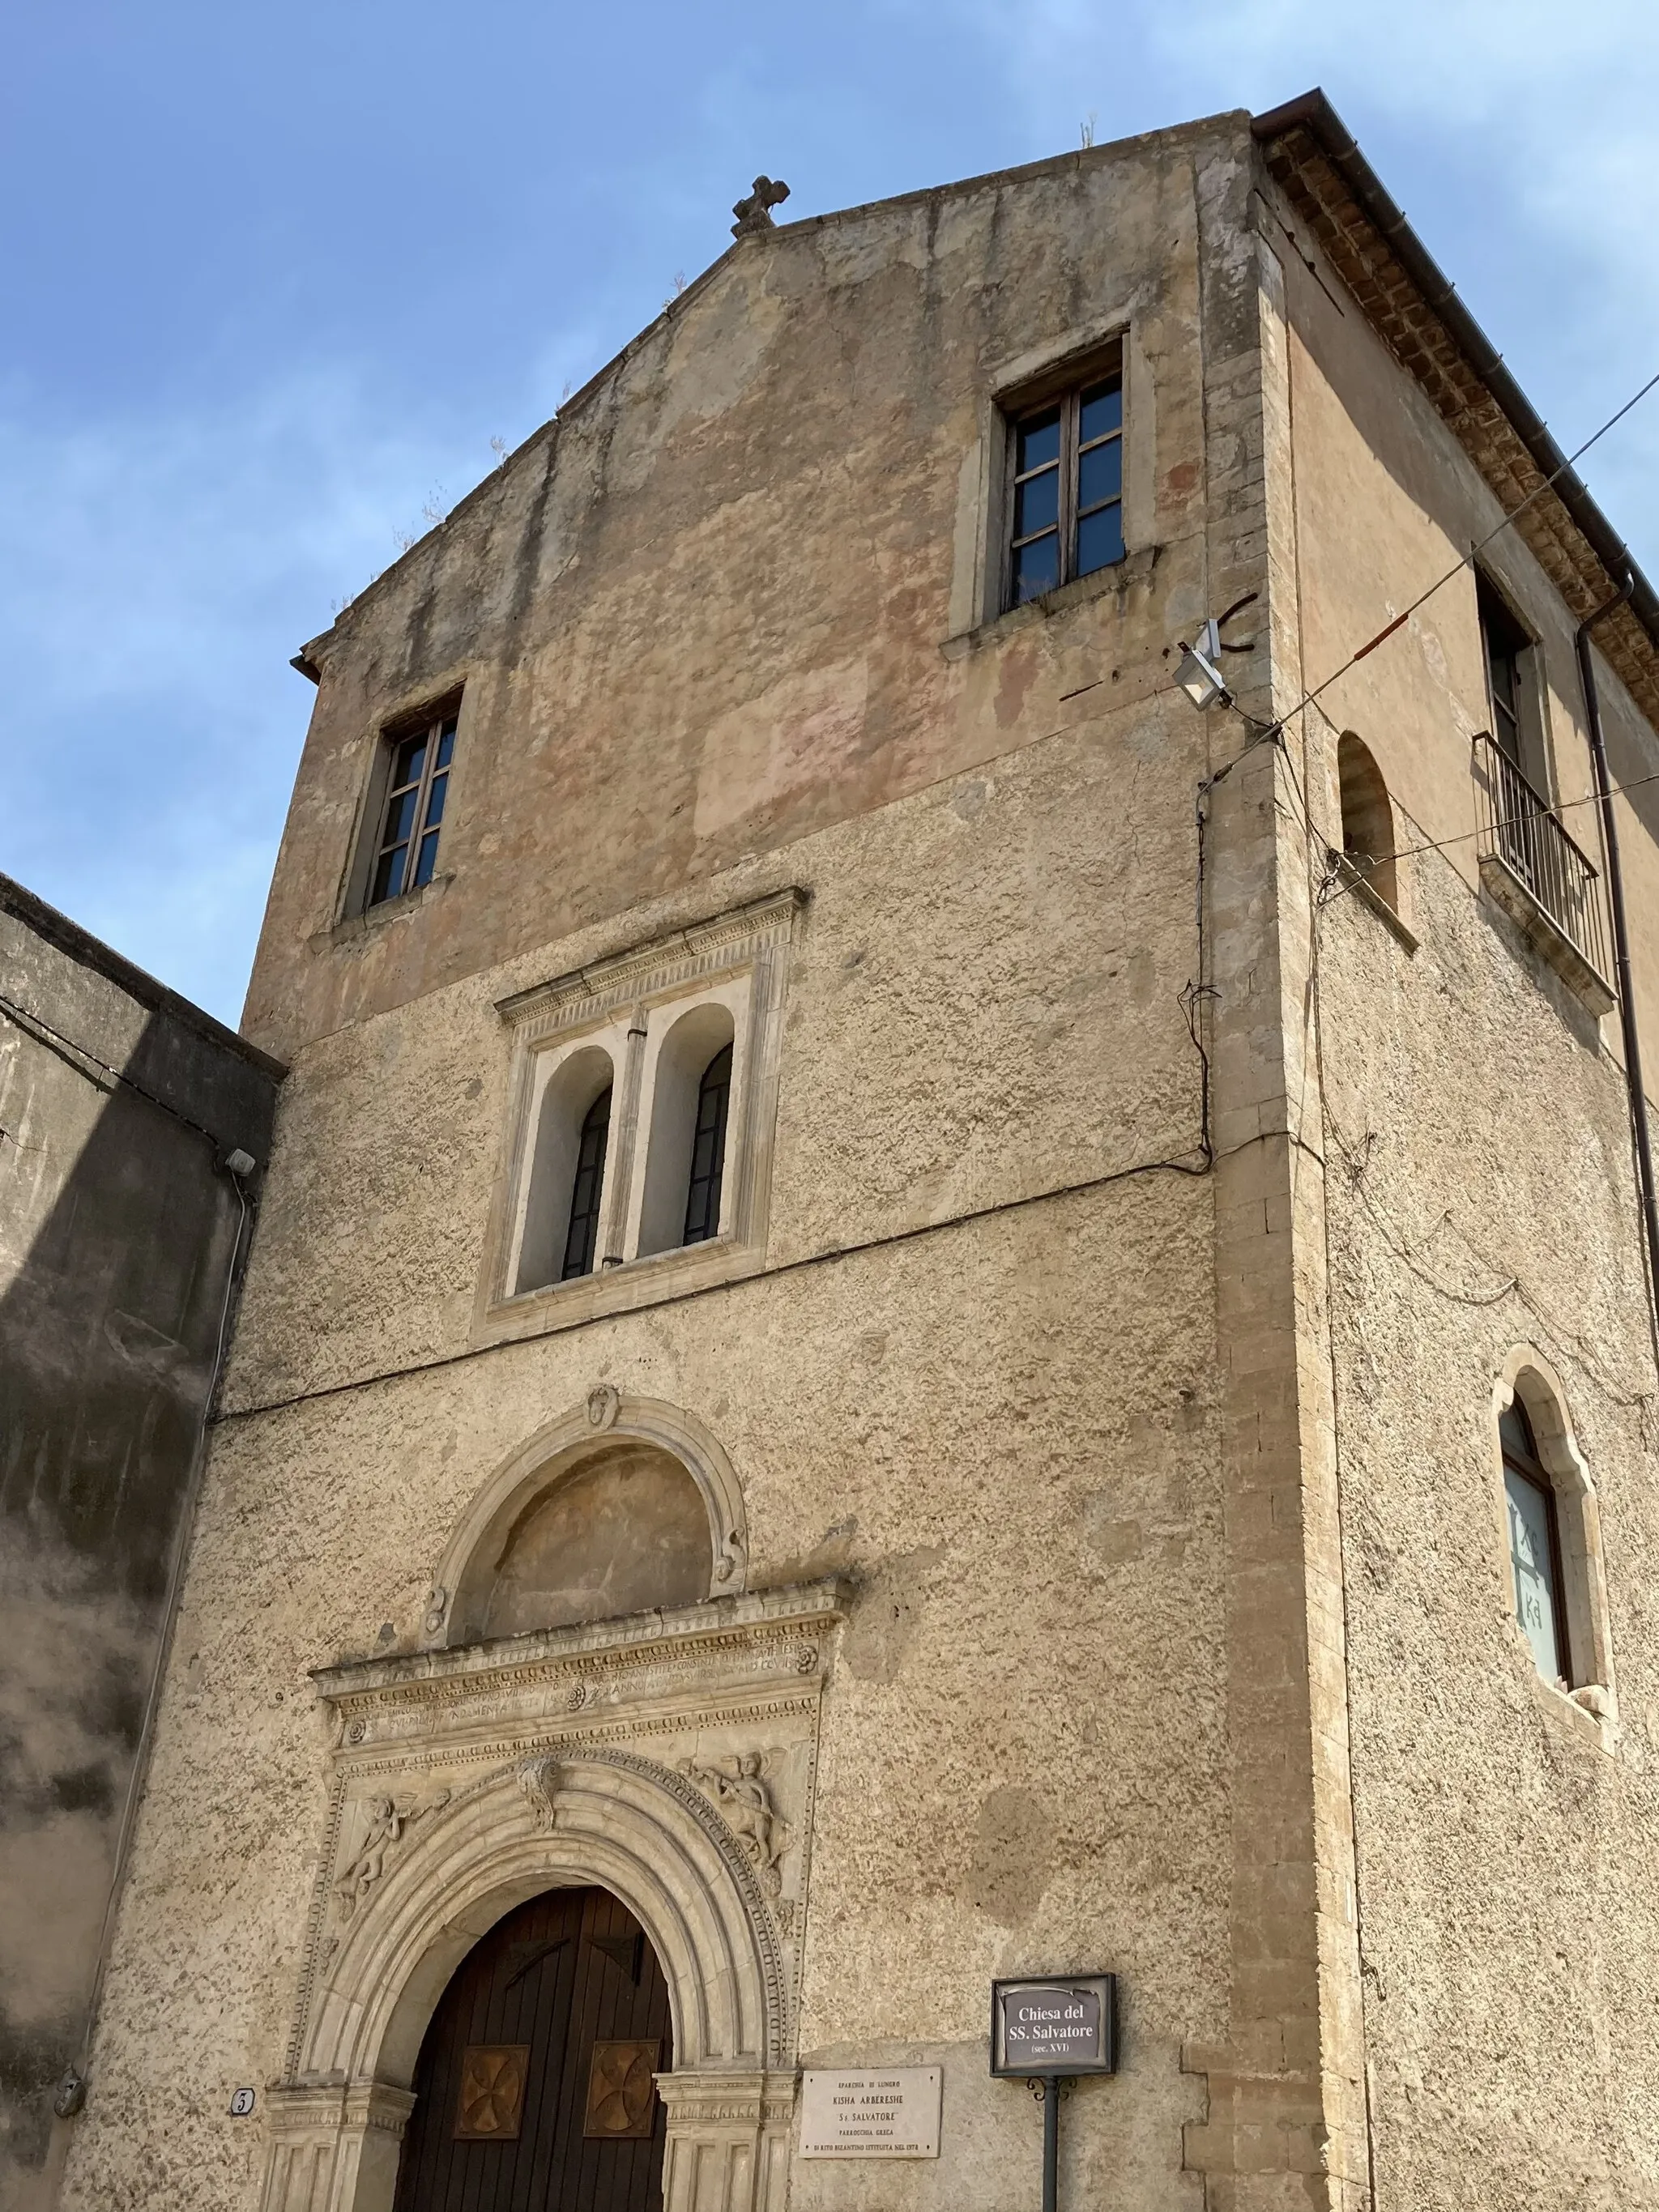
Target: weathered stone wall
[703,614]
[116,1236]
[1002,1426]
[1479,1199]
[979,1373]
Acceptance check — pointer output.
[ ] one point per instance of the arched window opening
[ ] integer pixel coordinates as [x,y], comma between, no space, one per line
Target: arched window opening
[559,1234]
[584,1229]
[1367,817]
[690,1125]
[1534,1547]
[702,1197]
[625,1530]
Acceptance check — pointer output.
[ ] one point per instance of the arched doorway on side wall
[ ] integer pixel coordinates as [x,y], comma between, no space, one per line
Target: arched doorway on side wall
[533,2088]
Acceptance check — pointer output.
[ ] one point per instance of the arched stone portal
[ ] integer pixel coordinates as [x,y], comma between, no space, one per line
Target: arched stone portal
[669,1760]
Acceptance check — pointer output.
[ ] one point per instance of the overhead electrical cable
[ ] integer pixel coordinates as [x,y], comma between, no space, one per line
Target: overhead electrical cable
[1478,547]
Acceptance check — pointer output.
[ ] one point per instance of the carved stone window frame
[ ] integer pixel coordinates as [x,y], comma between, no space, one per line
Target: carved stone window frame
[625,1004]
[1589,1701]
[977,613]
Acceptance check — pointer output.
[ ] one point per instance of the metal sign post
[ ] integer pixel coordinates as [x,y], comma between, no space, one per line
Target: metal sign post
[1046,2029]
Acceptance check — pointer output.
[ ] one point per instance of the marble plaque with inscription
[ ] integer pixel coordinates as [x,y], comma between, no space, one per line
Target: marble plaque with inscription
[887,2111]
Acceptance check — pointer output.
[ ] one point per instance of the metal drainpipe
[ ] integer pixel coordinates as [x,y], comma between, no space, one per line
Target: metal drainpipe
[1638,1100]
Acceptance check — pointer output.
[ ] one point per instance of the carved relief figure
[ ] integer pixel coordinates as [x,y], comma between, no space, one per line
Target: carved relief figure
[390,1820]
[738,1787]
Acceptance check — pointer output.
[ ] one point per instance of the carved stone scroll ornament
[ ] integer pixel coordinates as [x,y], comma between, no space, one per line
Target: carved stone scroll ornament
[738,1786]
[604,1404]
[539,1778]
[390,1820]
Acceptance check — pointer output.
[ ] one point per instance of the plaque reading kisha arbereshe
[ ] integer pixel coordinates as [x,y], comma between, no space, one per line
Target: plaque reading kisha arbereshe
[888,2111]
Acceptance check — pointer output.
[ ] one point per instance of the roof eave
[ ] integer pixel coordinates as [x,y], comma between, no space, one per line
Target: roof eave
[1313,113]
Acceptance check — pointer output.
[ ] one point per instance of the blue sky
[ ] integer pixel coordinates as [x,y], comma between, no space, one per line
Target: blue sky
[275,277]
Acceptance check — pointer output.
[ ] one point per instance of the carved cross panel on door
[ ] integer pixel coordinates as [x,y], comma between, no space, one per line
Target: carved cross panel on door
[621,2090]
[491,2103]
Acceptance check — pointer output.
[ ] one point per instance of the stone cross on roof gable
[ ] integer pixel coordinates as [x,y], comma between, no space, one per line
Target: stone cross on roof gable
[754,212]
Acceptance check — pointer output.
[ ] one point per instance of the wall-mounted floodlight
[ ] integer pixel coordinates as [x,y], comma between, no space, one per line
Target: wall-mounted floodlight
[1199,676]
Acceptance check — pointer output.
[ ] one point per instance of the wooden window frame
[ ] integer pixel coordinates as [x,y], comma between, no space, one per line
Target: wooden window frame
[1527,710]
[712,1183]
[432,725]
[585,1221]
[1063,387]
[1518,1460]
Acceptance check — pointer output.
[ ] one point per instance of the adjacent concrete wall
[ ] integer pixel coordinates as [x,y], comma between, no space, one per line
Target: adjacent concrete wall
[116,1236]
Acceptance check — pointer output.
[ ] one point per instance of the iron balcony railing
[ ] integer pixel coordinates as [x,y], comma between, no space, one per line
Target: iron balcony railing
[1518,828]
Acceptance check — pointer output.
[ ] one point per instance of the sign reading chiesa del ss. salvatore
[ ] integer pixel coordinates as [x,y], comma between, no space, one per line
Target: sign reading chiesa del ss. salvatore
[888,2112]
[1054,2024]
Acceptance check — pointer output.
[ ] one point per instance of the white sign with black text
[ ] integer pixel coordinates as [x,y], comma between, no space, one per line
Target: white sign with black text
[888,2112]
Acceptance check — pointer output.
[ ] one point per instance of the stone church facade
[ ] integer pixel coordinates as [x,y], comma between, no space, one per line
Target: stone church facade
[921,1313]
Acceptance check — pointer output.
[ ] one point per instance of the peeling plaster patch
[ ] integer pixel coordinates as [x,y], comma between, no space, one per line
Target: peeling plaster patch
[1011,1867]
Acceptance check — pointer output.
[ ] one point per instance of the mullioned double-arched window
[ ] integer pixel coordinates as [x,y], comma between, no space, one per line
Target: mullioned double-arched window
[642,1093]
[592,1199]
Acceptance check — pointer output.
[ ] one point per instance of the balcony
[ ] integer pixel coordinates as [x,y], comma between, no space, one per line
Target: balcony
[1534,870]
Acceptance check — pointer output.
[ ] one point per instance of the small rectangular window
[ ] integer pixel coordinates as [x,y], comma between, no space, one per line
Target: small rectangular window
[1066,486]
[406,849]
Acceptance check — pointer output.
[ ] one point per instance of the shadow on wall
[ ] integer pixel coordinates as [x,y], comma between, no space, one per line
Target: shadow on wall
[109,1329]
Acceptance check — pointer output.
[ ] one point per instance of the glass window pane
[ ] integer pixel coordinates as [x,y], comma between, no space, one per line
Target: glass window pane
[1037,504]
[1100,410]
[1038,441]
[389,875]
[702,1198]
[584,1226]
[399,818]
[1099,539]
[434,801]
[1537,1601]
[429,855]
[1037,568]
[1100,475]
[445,745]
[1515,1432]
[411,757]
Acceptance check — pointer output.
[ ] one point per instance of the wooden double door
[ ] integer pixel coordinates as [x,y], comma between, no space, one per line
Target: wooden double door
[533,2090]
